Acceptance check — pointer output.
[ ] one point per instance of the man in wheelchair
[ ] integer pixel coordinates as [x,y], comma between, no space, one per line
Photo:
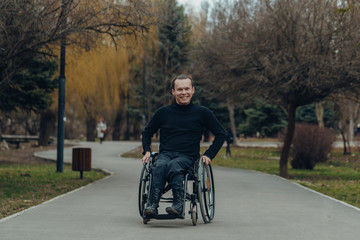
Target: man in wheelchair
[181,125]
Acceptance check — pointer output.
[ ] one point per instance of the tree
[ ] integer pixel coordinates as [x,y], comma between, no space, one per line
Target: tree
[99,79]
[168,54]
[262,118]
[30,89]
[346,110]
[310,114]
[302,51]
[32,29]
[29,27]
[217,56]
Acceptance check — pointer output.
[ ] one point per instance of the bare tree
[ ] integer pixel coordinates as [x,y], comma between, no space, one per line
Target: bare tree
[303,51]
[31,26]
[219,53]
[346,109]
[289,52]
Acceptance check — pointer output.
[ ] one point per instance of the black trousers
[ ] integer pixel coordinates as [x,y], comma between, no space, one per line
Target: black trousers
[170,167]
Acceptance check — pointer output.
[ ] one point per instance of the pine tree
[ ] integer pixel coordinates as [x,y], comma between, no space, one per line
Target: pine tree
[173,32]
[31,88]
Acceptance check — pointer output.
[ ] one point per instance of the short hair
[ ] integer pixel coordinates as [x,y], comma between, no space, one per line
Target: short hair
[182,76]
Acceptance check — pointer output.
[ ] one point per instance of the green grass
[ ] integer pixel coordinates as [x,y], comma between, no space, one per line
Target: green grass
[23,186]
[338,178]
[259,159]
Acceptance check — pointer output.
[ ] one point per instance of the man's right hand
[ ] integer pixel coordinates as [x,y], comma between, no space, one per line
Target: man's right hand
[146,157]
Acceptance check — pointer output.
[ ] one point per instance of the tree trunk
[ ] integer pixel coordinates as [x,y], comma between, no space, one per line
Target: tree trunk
[90,129]
[47,126]
[287,142]
[230,107]
[136,130]
[344,142]
[351,132]
[319,110]
[127,127]
[117,127]
[30,126]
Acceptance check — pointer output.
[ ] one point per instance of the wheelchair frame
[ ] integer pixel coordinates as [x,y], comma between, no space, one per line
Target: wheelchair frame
[203,192]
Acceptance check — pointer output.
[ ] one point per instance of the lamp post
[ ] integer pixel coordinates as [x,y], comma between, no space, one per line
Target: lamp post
[61,104]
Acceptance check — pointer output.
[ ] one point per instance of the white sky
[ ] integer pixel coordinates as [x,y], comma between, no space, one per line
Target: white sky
[194,3]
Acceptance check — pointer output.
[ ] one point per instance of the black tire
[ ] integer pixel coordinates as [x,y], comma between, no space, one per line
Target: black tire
[143,189]
[206,192]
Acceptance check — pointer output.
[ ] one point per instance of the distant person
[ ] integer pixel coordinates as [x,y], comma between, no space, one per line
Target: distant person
[101,129]
[229,140]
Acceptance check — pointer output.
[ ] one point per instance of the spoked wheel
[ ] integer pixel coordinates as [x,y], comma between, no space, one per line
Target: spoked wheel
[143,191]
[193,213]
[206,192]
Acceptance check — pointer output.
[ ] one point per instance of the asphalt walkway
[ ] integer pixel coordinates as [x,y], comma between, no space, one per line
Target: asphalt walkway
[249,205]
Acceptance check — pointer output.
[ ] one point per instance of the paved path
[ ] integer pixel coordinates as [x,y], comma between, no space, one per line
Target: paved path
[249,205]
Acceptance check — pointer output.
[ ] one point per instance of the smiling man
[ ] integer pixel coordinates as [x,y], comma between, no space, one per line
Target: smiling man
[181,126]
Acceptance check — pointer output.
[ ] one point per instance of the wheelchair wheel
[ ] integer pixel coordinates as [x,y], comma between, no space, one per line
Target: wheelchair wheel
[206,192]
[144,186]
[193,213]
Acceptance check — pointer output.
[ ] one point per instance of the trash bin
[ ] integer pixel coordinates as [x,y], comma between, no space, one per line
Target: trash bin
[81,160]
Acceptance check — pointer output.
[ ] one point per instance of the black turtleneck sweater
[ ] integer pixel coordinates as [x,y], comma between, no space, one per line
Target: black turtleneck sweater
[181,128]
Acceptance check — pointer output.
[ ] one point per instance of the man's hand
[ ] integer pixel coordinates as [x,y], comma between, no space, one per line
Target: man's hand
[146,157]
[206,160]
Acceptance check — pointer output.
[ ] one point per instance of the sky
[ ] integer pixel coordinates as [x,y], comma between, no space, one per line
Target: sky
[194,3]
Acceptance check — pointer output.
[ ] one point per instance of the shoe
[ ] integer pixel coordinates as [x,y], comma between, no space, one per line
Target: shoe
[178,202]
[153,204]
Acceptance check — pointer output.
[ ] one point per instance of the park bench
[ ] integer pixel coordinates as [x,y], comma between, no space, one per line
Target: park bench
[17,139]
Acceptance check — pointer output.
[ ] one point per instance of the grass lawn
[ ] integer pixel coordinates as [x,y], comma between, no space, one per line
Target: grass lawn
[28,181]
[338,178]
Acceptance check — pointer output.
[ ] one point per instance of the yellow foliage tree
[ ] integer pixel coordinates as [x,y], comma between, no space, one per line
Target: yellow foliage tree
[97,82]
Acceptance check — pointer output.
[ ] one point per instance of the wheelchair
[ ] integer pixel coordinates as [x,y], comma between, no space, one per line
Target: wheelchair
[203,192]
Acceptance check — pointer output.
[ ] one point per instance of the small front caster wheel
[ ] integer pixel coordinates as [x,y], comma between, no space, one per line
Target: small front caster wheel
[193,213]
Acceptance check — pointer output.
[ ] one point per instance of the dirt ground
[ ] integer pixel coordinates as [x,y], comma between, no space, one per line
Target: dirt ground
[24,155]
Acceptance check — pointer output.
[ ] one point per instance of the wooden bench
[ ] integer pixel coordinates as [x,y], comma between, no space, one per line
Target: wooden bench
[17,139]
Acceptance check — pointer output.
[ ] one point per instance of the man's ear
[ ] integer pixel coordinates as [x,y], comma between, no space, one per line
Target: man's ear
[193,91]
[173,92]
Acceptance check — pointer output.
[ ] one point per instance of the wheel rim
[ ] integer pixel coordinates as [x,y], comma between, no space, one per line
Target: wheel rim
[141,196]
[206,192]
[209,191]
[143,190]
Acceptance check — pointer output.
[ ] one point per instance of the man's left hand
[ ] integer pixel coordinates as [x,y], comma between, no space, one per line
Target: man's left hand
[206,160]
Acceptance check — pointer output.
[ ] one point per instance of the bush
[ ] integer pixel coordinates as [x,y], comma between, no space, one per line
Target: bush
[311,144]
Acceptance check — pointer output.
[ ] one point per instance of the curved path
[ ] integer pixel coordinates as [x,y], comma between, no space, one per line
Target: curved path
[249,205]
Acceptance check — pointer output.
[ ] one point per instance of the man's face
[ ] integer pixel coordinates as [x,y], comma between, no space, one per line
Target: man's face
[183,91]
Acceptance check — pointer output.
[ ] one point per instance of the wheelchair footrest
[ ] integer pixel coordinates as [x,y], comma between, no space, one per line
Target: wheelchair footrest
[166,216]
